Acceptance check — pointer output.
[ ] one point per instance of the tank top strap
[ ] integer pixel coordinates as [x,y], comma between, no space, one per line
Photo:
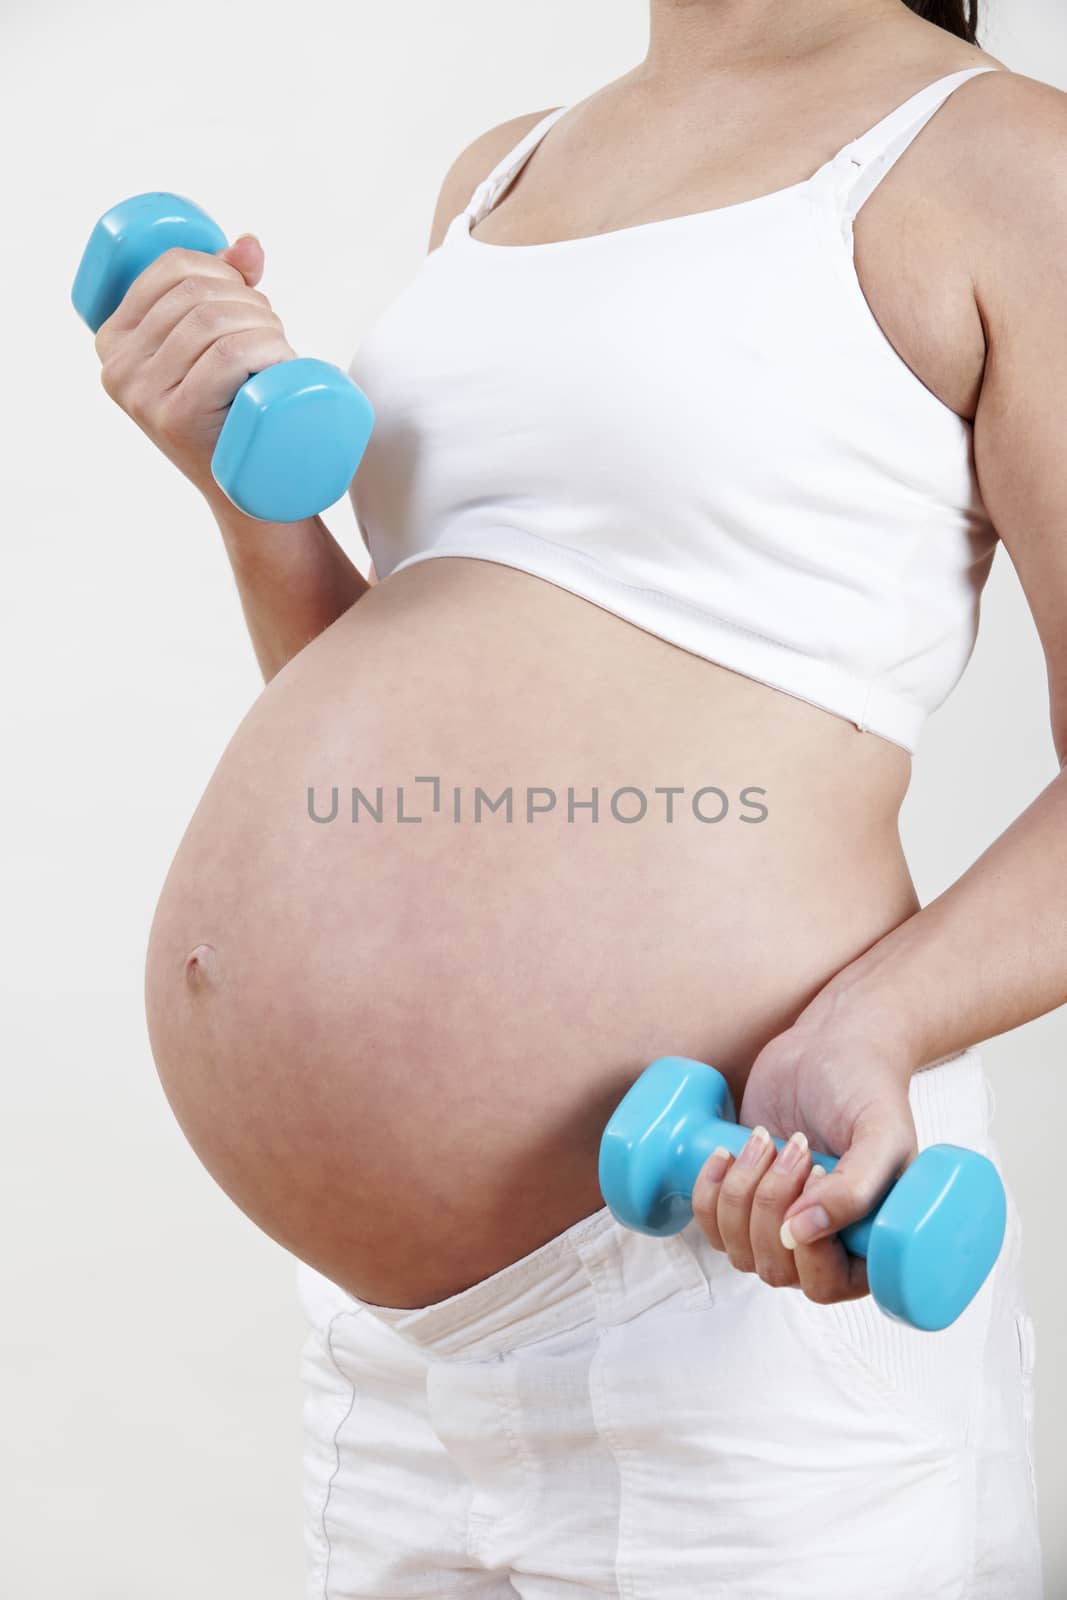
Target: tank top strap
[870,156]
[491,187]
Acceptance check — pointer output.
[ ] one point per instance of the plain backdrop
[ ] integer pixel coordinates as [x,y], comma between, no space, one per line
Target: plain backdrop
[149,1336]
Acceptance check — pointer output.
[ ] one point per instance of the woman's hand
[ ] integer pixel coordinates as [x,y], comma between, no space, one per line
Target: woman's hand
[823,1088]
[188,332]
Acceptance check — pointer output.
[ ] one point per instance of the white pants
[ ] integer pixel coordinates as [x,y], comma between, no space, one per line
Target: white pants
[621,1415]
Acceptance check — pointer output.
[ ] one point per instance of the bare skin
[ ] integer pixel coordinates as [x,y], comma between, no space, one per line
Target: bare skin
[406,1040]
[396,1046]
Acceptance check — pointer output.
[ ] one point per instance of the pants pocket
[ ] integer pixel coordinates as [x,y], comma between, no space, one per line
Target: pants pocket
[757,1459]
[932,1380]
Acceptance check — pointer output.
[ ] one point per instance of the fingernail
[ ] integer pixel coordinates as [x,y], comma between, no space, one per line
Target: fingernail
[792,1152]
[754,1146]
[804,1227]
[716,1165]
[816,1172]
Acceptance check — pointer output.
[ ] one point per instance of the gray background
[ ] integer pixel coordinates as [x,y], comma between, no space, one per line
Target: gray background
[149,1336]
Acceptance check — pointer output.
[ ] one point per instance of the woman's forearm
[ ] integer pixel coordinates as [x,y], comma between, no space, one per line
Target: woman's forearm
[987,955]
[293,579]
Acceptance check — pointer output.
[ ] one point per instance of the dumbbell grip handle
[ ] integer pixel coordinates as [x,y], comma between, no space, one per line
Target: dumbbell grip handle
[734,1138]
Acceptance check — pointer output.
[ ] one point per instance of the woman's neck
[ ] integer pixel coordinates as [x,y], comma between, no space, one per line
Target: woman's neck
[691,39]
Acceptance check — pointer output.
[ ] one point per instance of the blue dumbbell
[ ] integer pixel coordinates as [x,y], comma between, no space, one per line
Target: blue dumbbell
[930,1243]
[295,432]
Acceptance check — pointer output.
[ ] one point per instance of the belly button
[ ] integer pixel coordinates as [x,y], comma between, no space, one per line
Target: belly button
[202,967]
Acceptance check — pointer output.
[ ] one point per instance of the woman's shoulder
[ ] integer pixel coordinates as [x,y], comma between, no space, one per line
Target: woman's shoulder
[1015,124]
[1009,170]
[474,163]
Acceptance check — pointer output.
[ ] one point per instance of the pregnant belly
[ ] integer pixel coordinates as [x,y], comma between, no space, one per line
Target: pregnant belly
[392,1013]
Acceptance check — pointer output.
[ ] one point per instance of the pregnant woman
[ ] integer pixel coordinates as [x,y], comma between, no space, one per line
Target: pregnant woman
[696,433]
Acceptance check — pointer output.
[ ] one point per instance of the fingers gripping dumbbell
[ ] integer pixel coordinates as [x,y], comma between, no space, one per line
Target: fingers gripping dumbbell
[295,432]
[930,1242]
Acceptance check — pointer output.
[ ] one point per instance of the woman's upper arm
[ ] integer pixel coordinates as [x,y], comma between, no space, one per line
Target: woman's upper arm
[472,165]
[1020,425]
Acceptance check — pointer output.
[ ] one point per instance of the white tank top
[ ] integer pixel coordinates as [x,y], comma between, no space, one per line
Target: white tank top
[698,425]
